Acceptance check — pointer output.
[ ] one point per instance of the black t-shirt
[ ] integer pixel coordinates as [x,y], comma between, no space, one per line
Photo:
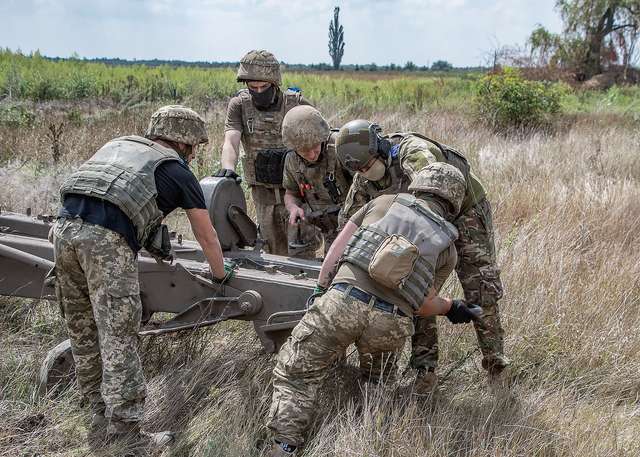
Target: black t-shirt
[177,188]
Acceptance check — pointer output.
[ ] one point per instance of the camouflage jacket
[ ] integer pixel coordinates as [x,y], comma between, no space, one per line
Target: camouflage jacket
[410,153]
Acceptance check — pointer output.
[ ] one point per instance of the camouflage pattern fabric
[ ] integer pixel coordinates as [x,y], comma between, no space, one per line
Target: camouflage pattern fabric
[476,268]
[177,123]
[331,324]
[306,181]
[480,279]
[259,65]
[272,218]
[97,286]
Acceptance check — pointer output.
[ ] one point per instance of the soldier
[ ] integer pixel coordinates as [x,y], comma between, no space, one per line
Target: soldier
[387,165]
[254,117]
[111,207]
[384,264]
[313,177]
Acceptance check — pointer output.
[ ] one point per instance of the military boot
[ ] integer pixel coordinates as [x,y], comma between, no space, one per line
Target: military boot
[282,450]
[426,382]
[135,442]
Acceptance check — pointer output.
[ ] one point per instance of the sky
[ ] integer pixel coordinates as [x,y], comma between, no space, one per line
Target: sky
[382,31]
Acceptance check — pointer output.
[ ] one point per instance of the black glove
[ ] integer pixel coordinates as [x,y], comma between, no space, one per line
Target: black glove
[461,313]
[226,173]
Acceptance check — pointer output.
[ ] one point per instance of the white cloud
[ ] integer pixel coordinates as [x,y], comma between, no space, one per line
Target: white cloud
[383,31]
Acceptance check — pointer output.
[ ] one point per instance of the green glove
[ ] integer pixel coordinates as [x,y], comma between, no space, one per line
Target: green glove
[229,272]
[319,290]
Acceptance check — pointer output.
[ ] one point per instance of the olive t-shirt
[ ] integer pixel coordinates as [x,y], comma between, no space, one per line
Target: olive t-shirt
[356,276]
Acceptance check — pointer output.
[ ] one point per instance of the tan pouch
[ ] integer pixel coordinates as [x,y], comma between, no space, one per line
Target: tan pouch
[393,261]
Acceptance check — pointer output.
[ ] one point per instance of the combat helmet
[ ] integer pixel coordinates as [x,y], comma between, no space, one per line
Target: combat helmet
[259,65]
[303,127]
[358,142]
[179,124]
[443,180]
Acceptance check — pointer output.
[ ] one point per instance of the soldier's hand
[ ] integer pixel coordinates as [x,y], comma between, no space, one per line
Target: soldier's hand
[461,313]
[227,173]
[318,291]
[229,272]
[296,214]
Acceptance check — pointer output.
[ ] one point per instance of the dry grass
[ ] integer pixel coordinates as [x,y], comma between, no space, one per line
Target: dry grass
[567,209]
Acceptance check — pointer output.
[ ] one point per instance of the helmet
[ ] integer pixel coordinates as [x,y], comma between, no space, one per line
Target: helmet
[259,65]
[303,127]
[443,180]
[177,123]
[357,143]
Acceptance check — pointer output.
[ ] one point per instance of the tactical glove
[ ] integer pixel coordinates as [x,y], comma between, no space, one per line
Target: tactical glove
[461,313]
[318,291]
[229,272]
[227,173]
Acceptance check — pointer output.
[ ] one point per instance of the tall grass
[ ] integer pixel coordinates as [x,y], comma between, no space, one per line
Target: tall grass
[567,213]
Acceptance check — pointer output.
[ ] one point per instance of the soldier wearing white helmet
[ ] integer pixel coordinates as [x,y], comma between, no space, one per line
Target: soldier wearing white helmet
[254,118]
[112,206]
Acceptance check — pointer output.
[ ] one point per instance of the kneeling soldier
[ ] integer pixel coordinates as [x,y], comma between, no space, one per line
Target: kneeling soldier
[384,265]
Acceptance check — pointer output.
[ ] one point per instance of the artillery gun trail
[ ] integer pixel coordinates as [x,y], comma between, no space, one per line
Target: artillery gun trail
[271,291]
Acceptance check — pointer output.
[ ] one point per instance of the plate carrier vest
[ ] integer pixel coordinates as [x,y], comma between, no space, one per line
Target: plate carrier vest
[264,151]
[122,173]
[412,219]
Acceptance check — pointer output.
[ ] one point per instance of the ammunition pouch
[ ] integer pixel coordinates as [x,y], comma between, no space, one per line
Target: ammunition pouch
[378,253]
[393,261]
[269,165]
[158,244]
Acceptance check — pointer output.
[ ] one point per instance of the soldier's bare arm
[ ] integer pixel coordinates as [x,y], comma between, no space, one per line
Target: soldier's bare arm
[330,264]
[292,203]
[208,238]
[230,149]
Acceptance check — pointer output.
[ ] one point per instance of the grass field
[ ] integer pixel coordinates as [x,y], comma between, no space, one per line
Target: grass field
[567,210]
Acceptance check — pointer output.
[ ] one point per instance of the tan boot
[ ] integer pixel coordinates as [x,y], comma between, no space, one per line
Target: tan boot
[426,382]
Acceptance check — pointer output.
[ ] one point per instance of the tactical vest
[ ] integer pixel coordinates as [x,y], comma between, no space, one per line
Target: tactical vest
[324,184]
[264,151]
[420,228]
[475,190]
[122,173]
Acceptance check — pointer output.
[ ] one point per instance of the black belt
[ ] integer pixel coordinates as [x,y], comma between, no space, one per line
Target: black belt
[366,298]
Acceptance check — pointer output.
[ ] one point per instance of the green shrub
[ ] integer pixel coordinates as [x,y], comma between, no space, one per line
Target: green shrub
[16,115]
[506,99]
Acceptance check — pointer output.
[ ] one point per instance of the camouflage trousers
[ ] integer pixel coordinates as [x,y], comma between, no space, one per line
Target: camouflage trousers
[331,324]
[97,285]
[480,279]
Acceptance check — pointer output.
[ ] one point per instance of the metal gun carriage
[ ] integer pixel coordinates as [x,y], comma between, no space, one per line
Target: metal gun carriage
[270,291]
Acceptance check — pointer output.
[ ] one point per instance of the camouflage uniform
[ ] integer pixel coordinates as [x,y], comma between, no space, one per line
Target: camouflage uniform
[310,182]
[97,285]
[476,268]
[263,150]
[335,320]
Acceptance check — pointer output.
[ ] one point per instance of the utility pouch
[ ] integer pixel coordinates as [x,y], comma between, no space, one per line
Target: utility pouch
[393,261]
[159,244]
[270,165]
